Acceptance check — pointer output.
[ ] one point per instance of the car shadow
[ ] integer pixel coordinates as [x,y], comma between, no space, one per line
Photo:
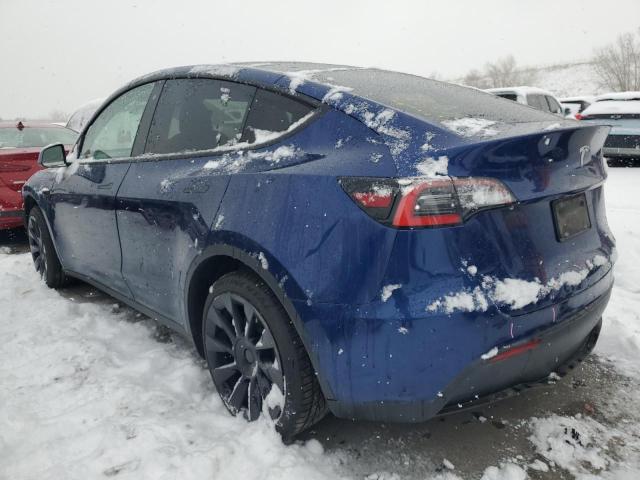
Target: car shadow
[14,240]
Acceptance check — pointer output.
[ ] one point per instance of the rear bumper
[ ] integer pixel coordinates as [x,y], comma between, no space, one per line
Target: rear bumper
[558,347]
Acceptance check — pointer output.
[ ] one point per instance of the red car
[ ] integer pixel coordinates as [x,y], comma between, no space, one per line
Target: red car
[20,144]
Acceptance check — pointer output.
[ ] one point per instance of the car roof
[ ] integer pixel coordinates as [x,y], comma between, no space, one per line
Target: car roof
[613,107]
[522,90]
[583,98]
[623,96]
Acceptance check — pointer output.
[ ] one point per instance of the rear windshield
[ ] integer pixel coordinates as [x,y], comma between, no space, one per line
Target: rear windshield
[35,137]
[430,100]
[509,96]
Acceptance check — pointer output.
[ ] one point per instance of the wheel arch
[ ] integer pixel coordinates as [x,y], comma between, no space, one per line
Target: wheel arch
[219,259]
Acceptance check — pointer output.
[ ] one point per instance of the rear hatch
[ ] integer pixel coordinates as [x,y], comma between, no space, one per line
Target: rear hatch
[553,240]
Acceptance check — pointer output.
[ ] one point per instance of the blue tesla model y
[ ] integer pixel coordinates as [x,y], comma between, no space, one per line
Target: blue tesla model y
[365,242]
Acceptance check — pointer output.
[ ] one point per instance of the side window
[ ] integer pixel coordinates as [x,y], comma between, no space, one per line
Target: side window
[272,113]
[198,114]
[112,134]
[537,101]
[553,105]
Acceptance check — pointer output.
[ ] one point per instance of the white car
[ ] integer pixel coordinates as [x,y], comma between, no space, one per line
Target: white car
[532,96]
[621,110]
[576,105]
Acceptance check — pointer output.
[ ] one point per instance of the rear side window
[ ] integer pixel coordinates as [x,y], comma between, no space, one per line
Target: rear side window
[537,101]
[553,105]
[509,96]
[198,114]
[272,113]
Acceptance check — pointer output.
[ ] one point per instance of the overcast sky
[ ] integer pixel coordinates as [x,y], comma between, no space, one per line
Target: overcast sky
[59,54]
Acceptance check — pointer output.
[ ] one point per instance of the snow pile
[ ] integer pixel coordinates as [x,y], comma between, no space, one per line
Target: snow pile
[577,444]
[432,167]
[506,471]
[514,293]
[222,70]
[620,337]
[235,163]
[396,138]
[264,136]
[471,127]
[388,290]
[613,107]
[88,392]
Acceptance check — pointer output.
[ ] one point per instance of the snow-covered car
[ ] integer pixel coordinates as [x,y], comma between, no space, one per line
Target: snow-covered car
[622,112]
[388,250]
[80,117]
[575,105]
[532,96]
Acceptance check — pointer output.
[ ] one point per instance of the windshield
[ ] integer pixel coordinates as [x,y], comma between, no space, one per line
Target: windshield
[430,100]
[30,137]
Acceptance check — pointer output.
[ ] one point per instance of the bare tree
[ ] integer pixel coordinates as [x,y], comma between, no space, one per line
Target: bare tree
[502,73]
[505,73]
[618,64]
[475,78]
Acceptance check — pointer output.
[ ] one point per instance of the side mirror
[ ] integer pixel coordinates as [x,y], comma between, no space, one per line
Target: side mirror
[53,156]
[567,112]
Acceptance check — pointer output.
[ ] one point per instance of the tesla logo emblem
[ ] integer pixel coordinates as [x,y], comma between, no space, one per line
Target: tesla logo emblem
[584,152]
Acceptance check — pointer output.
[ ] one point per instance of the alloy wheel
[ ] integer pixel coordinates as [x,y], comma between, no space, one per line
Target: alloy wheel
[37,247]
[243,358]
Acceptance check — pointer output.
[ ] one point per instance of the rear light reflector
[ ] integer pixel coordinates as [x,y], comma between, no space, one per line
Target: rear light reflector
[517,350]
[426,202]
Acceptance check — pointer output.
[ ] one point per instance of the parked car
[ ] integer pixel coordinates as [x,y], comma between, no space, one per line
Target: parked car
[20,143]
[532,96]
[622,112]
[575,105]
[80,117]
[377,244]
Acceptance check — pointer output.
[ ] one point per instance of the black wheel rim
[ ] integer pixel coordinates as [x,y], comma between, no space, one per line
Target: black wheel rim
[243,358]
[36,245]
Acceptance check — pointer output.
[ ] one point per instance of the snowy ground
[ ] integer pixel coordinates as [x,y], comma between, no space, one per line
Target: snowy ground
[91,389]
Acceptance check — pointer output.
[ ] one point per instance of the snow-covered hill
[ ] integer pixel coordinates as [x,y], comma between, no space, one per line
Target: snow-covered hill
[569,80]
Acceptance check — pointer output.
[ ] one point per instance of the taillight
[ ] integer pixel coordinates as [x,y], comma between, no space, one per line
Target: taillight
[579,116]
[426,202]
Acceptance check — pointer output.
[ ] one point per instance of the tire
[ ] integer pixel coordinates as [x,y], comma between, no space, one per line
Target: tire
[45,258]
[247,336]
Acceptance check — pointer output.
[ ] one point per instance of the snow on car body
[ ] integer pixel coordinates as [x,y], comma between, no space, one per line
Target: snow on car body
[402,227]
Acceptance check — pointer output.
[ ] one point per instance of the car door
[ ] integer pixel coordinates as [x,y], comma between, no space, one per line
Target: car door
[168,199]
[83,194]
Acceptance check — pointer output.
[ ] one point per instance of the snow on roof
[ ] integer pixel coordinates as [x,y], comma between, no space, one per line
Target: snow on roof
[613,107]
[618,96]
[581,98]
[522,90]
